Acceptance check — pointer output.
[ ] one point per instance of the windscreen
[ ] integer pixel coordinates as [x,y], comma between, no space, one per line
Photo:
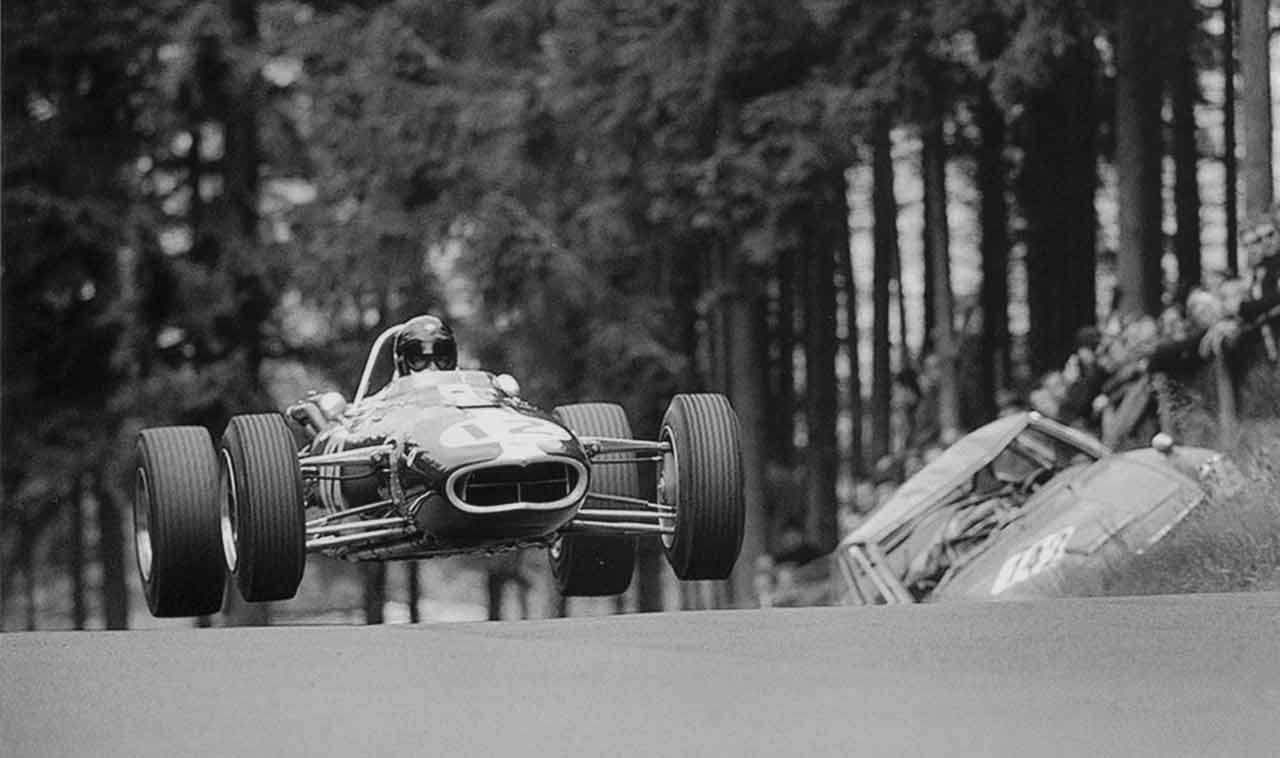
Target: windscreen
[1034,451]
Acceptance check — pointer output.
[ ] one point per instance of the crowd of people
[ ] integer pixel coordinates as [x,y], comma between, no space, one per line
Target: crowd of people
[1116,381]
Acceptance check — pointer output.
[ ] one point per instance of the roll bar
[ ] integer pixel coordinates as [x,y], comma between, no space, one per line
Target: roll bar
[378,346]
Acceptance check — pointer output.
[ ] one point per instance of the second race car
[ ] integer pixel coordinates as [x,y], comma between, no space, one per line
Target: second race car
[1026,508]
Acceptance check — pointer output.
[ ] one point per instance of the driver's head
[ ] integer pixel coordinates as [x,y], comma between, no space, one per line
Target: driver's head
[425,342]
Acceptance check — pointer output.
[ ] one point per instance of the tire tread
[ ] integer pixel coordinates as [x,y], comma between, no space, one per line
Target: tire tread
[187,572]
[270,521]
[710,516]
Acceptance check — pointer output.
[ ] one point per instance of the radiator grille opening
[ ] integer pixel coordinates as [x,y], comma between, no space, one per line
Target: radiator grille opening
[504,485]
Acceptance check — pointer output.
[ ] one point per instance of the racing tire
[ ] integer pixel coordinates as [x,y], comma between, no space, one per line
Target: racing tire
[175,522]
[701,477]
[587,565]
[262,516]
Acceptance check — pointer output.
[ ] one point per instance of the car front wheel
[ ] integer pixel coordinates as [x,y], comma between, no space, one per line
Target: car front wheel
[262,514]
[701,478]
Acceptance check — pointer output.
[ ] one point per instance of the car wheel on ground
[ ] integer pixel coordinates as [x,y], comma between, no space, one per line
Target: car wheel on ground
[592,565]
[701,477]
[263,526]
[175,521]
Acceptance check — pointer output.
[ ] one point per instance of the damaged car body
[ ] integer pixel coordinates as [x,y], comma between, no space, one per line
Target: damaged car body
[1024,508]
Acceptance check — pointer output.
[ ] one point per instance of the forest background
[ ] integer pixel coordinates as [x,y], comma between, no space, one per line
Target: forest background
[213,207]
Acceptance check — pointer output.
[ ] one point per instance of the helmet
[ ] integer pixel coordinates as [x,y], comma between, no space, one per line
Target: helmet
[424,342]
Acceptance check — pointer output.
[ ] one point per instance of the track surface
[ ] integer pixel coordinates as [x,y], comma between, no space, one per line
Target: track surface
[1192,676]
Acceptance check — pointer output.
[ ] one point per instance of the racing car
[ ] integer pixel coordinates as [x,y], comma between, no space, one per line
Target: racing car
[1026,508]
[435,463]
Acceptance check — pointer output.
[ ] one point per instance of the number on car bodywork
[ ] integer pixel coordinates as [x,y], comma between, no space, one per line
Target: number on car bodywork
[1032,560]
[499,428]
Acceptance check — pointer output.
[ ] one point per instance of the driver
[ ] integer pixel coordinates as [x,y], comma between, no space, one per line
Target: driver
[424,343]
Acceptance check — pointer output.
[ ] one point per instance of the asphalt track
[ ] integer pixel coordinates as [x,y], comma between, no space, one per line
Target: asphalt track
[1193,676]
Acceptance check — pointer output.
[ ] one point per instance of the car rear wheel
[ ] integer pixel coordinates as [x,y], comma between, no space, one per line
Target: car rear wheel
[701,478]
[175,522]
[262,517]
[593,565]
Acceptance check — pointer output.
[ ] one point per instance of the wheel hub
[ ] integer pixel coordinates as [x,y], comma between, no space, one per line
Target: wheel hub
[227,506]
[142,524]
[669,490]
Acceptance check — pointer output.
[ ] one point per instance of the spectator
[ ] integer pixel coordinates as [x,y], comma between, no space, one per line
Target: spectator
[1083,376]
[887,476]
[864,496]
[794,547]
[926,427]
[912,462]
[931,453]
[905,403]
[849,519]
[1046,398]
[1008,403]
[763,581]
[1243,305]
[800,578]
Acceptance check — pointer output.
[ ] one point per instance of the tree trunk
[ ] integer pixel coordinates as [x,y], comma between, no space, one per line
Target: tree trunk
[821,389]
[738,332]
[111,553]
[76,529]
[1230,166]
[495,582]
[782,389]
[243,180]
[649,563]
[413,584]
[1056,189]
[1184,91]
[1138,158]
[714,314]
[746,387]
[844,253]
[900,309]
[7,570]
[375,590]
[236,611]
[939,252]
[242,153]
[885,234]
[29,586]
[927,344]
[993,211]
[1255,71]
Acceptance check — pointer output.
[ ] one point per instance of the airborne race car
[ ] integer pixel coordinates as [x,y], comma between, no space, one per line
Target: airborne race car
[1026,508]
[436,463]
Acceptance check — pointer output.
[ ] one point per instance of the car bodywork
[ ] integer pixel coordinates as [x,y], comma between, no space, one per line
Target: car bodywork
[467,461]
[442,462]
[1021,508]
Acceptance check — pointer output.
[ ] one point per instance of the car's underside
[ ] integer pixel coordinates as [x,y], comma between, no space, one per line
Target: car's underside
[485,509]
